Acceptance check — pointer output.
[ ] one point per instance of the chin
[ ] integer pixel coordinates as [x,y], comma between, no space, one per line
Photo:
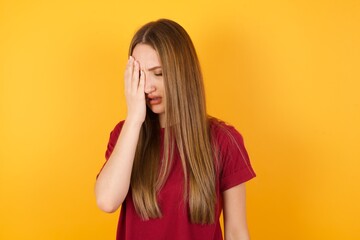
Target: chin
[157,110]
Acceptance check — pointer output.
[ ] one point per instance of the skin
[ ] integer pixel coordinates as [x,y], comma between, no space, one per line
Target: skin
[144,86]
[235,213]
[150,65]
[143,81]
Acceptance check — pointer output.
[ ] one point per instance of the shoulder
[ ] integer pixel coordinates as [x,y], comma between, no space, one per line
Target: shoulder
[232,158]
[117,129]
[114,135]
[223,133]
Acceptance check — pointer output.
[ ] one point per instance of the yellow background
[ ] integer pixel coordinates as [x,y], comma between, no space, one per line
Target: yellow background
[285,73]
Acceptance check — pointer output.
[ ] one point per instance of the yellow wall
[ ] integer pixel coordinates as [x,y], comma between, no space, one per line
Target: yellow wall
[285,73]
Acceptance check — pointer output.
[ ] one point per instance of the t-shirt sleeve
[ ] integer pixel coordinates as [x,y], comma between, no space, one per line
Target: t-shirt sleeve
[114,135]
[235,165]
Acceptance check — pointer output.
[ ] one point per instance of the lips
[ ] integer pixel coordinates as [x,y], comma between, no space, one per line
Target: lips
[154,100]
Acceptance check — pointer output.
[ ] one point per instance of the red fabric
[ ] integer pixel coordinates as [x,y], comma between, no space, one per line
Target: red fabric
[234,169]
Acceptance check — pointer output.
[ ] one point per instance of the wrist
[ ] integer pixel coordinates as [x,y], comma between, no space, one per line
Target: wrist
[133,123]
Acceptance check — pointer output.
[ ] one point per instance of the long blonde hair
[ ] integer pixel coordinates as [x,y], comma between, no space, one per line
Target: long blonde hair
[186,127]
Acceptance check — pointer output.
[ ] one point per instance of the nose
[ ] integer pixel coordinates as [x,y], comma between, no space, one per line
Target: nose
[149,84]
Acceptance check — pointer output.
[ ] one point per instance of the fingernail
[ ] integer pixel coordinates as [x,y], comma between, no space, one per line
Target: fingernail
[130,58]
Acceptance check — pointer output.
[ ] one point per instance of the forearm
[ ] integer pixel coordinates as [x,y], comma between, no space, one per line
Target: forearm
[112,184]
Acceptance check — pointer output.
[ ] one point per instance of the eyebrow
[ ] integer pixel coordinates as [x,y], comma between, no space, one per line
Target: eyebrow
[153,68]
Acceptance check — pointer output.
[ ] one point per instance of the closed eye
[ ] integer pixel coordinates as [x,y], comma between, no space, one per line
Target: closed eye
[158,74]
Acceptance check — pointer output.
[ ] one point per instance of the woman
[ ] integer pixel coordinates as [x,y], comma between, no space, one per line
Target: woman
[169,165]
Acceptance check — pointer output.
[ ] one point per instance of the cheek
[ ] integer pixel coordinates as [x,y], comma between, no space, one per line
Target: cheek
[162,86]
[163,92]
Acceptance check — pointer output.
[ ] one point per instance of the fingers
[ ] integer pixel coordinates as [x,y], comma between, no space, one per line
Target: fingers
[142,82]
[135,76]
[128,72]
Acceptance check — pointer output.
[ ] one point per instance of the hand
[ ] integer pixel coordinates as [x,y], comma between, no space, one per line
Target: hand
[134,92]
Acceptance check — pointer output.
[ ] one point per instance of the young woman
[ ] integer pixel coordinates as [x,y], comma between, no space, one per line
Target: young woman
[170,166]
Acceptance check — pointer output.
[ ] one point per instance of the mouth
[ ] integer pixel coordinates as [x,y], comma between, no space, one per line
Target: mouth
[154,100]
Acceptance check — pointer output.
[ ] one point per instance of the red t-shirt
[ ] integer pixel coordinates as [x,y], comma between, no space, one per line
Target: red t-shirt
[235,168]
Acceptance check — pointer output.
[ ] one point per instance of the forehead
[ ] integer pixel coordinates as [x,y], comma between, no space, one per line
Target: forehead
[146,55]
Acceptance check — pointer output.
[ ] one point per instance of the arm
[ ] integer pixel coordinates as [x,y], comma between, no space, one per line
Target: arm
[235,213]
[113,182]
